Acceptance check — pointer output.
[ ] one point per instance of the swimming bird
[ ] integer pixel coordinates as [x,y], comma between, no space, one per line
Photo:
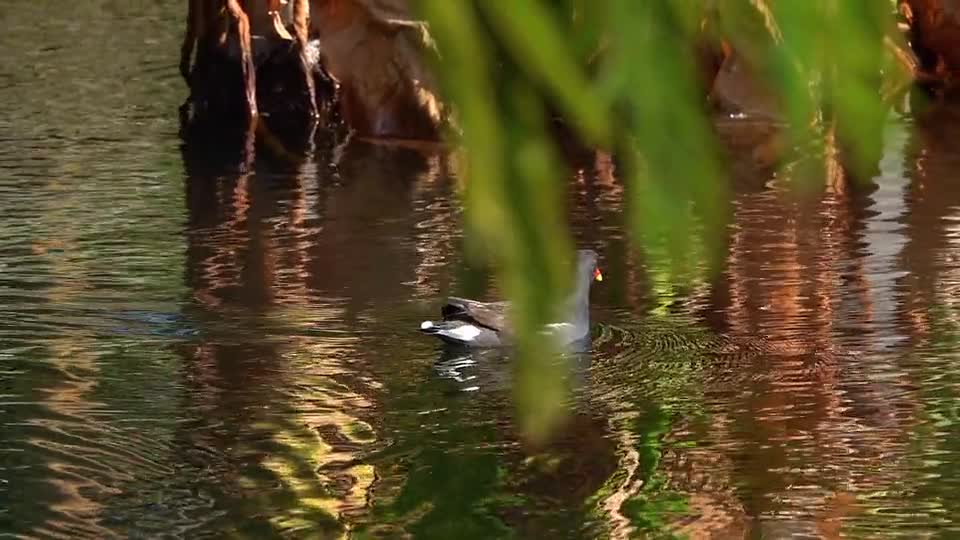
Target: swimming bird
[472,323]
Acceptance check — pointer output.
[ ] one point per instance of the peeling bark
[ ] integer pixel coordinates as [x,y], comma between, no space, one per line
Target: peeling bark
[377,53]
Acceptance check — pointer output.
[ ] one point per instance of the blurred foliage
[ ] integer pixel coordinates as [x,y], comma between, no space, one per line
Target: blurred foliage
[629,77]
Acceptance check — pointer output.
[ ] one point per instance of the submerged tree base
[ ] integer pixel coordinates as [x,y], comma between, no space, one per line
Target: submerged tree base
[933,30]
[217,90]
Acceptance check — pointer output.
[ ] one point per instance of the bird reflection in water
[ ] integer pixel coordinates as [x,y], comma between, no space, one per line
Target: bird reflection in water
[473,370]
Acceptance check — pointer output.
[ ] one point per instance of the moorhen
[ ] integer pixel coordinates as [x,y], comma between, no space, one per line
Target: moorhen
[484,324]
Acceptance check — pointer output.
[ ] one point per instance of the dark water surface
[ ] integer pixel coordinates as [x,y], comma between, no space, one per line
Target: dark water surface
[189,351]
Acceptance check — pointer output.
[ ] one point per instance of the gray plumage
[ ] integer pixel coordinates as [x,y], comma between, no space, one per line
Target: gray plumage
[485,324]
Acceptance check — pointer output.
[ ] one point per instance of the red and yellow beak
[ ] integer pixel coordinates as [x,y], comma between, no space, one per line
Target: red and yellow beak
[597,275]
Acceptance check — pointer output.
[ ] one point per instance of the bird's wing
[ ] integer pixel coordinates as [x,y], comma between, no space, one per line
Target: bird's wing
[492,315]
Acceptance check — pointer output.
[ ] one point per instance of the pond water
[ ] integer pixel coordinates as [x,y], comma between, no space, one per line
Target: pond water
[197,341]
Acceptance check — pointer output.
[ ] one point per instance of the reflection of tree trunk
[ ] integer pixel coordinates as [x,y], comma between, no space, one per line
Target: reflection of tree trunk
[292,406]
[932,200]
[708,475]
[75,413]
[794,263]
[365,252]
[306,251]
[78,507]
[436,241]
